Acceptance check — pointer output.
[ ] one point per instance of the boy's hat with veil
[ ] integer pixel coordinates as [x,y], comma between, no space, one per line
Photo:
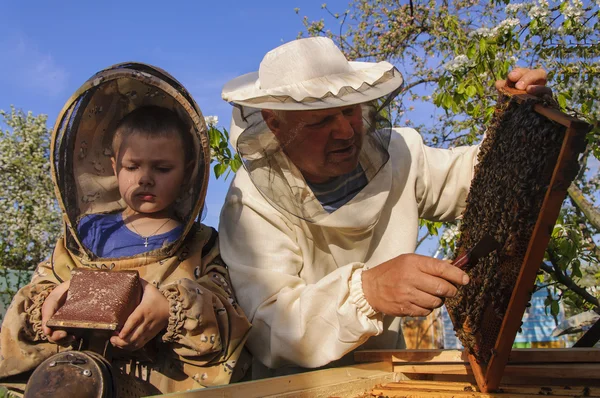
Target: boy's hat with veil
[81,144]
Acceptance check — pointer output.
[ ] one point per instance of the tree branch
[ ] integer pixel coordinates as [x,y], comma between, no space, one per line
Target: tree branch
[588,209]
[422,239]
[569,283]
[420,81]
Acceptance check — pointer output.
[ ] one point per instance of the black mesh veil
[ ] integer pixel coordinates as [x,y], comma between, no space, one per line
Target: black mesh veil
[281,182]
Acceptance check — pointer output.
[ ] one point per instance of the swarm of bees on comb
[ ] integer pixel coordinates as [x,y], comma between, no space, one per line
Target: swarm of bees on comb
[516,163]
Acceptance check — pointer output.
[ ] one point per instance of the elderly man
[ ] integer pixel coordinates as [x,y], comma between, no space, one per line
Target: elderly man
[320,226]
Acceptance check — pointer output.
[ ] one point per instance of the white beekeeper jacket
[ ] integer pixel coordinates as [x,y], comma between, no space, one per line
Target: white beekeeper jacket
[300,283]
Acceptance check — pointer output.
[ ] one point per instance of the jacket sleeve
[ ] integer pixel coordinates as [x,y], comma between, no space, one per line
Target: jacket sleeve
[443,179]
[293,322]
[23,344]
[206,325]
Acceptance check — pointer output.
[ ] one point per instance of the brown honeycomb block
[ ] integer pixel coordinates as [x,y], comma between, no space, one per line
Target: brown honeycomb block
[98,300]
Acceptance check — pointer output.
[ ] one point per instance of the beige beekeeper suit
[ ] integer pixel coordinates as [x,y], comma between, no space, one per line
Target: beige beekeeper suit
[300,282]
[207,328]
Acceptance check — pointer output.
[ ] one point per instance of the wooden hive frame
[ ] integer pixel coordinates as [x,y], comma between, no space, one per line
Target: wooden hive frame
[488,375]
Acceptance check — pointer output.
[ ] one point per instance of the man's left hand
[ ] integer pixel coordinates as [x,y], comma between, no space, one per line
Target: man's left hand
[533,81]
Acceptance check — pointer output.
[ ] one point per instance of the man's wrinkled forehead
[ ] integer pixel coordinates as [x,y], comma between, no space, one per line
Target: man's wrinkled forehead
[313,116]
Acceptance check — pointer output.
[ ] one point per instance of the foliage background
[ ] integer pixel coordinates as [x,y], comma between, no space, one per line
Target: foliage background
[450,54]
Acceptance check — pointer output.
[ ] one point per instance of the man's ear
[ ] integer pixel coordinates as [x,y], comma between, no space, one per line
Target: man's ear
[272,121]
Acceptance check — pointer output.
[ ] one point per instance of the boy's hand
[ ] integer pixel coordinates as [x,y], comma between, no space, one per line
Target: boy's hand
[145,322]
[53,302]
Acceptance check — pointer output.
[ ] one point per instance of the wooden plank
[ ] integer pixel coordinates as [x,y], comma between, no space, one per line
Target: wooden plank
[579,371]
[557,190]
[408,393]
[411,356]
[517,356]
[506,379]
[560,391]
[390,390]
[278,386]
[550,113]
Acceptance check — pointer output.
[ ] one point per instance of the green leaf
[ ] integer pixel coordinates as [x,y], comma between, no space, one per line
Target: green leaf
[235,163]
[576,266]
[533,25]
[214,137]
[471,51]
[563,6]
[554,308]
[562,100]
[219,169]
[471,91]
[482,45]
[448,101]
[489,112]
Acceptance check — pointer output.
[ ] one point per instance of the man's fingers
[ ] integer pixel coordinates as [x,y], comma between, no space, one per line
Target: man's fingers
[517,73]
[523,77]
[412,310]
[425,300]
[444,270]
[539,91]
[436,287]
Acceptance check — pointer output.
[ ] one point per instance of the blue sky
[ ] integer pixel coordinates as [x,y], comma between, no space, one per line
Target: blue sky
[49,50]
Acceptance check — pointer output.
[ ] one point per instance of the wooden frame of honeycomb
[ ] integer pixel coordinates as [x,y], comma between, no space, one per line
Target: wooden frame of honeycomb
[526,163]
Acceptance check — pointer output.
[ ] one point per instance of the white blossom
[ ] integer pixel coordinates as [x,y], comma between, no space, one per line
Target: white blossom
[503,27]
[459,63]
[211,121]
[450,233]
[574,10]
[537,12]
[514,8]
[507,25]
[482,32]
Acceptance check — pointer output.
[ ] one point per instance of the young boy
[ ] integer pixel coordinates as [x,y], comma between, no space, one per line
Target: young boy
[130,193]
[151,153]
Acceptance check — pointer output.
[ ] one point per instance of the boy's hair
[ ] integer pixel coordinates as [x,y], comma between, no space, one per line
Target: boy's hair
[154,121]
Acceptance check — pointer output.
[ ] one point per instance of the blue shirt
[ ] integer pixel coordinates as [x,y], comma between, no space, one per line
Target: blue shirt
[335,193]
[107,236]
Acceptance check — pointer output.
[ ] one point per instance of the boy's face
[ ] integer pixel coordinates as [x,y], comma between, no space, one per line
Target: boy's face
[150,171]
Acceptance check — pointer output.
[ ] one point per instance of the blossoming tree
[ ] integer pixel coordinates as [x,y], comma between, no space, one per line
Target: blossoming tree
[29,214]
[450,53]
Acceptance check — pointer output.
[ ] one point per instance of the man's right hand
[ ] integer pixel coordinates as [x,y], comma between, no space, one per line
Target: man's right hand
[411,285]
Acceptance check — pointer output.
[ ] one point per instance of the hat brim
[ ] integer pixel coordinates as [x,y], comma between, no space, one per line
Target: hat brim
[366,82]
